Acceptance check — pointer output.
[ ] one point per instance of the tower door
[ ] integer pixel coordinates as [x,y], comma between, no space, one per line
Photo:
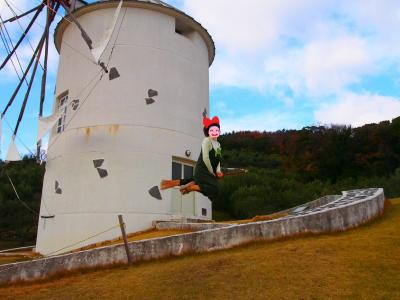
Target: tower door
[182,204]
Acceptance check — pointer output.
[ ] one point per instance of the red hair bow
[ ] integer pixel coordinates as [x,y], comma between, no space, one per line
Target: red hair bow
[207,122]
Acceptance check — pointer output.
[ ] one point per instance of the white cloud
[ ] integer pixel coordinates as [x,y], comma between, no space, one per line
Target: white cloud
[222,107]
[27,47]
[332,64]
[356,110]
[372,15]
[320,46]
[322,67]
[245,26]
[304,50]
[271,120]
[241,74]
[6,12]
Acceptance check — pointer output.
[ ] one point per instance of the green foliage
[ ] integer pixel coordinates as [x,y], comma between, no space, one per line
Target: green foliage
[17,222]
[286,168]
[291,167]
[319,153]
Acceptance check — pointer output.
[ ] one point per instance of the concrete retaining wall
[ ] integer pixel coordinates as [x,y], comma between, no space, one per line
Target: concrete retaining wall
[316,203]
[348,212]
[189,226]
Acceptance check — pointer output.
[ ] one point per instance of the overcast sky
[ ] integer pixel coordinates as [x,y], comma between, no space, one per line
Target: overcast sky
[280,64]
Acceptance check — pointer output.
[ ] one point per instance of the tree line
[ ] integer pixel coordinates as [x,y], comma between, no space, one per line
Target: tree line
[19,218]
[290,167]
[286,168]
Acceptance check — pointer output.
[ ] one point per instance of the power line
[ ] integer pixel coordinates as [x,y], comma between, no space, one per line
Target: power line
[80,106]
[64,42]
[16,193]
[22,29]
[116,39]
[84,100]
[19,139]
[9,37]
[81,241]
[6,46]
[58,14]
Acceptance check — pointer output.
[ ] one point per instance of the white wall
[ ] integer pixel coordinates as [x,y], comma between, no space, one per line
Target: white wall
[114,123]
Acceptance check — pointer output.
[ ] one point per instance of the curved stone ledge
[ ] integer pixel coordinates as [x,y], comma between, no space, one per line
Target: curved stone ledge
[333,213]
[168,225]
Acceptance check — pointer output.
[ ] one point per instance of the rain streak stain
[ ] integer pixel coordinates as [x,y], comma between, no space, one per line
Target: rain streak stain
[113,128]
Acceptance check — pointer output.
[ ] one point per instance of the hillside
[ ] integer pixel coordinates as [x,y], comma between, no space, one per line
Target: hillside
[286,168]
[360,263]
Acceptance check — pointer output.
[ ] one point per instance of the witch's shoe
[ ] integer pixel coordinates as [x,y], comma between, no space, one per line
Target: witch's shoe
[167,184]
[192,187]
[185,191]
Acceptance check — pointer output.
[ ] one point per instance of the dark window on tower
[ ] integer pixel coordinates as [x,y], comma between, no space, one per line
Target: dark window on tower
[182,28]
[182,169]
[176,170]
[187,171]
[62,104]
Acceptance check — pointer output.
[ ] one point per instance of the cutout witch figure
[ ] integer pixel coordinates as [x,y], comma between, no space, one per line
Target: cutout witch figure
[207,169]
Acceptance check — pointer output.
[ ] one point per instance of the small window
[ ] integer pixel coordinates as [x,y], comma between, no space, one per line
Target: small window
[176,170]
[182,28]
[204,212]
[187,171]
[62,104]
[182,170]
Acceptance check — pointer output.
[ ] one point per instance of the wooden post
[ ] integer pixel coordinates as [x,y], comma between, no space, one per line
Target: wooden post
[122,225]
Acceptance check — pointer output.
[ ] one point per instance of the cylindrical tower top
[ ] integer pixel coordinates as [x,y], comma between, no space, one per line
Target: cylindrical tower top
[184,23]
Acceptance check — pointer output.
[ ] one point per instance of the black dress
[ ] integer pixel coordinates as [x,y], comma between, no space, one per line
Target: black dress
[208,182]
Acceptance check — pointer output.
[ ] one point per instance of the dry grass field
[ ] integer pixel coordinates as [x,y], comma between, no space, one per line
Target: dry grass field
[363,263]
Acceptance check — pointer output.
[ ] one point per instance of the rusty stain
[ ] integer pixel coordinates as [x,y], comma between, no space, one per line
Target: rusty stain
[113,128]
[87,131]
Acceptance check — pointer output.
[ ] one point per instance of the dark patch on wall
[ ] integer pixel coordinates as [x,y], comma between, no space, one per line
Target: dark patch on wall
[152,93]
[98,162]
[150,101]
[58,190]
[75,104]
[102,172]
[113,73]
[155,192]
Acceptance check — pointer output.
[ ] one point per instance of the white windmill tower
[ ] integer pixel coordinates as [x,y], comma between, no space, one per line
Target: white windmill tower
[115,139]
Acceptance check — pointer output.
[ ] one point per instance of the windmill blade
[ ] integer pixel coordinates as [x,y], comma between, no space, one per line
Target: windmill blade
[49,17]
[46,53]
[22,15]
[84,34]
[46,124]
[22,37]
[39,46]
[3,38]
[100,47]
[12,153]
[22,111]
